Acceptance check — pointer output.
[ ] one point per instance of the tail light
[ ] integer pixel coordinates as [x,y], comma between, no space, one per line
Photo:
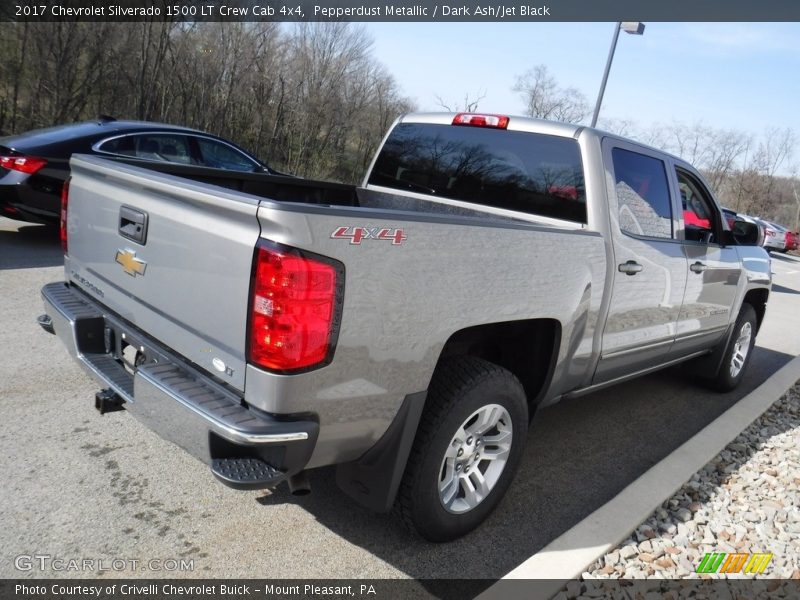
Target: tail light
[24,164]
[476,120]
[295,306]
[63,216]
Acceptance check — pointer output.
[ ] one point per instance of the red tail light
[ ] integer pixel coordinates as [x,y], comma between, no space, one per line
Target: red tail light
[64,207]
[24,164]
[494,121]
[294,309]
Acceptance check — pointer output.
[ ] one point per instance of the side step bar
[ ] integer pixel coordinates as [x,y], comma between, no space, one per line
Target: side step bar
[246,473]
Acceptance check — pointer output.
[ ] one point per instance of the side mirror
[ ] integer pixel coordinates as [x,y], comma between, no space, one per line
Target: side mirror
[745,233]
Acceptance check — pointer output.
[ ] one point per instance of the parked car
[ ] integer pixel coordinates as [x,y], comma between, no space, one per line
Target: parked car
[34,165]
[409,332]
[792,240]
[774,236]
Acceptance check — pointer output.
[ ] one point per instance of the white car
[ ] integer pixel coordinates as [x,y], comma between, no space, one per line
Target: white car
[774,237]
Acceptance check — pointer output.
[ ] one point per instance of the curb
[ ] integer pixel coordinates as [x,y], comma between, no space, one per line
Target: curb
[566,557]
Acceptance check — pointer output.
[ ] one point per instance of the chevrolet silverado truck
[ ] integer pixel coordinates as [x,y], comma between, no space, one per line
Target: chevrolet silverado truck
[408,329]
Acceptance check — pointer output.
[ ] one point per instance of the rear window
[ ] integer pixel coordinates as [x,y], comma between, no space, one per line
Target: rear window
[526,172]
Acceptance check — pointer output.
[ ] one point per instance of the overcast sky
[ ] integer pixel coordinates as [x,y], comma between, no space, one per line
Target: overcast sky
[730,75]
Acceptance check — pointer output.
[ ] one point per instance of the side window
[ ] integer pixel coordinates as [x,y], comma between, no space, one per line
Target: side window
[698,209]
[165,148]
[642,194]
[221,156]
[122,145]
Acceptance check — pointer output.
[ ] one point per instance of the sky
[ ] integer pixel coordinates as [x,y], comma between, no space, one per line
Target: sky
[743,76]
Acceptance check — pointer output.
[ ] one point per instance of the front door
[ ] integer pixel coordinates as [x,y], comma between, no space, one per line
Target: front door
[714,269]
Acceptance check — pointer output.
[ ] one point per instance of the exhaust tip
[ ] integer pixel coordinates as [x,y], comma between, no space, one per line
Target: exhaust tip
[46,323]
[299,484]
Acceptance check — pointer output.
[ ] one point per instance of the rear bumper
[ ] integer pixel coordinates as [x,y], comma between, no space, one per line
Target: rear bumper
[19,200]
[774,243]
[245,448]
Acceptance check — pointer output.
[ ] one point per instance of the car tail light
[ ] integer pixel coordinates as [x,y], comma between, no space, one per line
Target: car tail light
[24,164]
[295,304]
[476,120]
[63,216]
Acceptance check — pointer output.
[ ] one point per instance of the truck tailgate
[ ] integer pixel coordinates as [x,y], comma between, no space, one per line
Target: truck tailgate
[186,281]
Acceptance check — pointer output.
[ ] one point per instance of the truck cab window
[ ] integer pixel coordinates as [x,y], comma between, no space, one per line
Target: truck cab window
[643,199]
[513,170]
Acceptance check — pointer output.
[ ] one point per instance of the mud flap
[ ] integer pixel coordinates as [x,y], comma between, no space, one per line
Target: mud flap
[374,479]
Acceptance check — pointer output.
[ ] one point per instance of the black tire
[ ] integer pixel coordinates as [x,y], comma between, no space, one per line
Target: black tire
[460,387]
[725,379]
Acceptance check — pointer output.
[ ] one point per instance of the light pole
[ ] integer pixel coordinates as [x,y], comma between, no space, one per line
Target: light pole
[631,27]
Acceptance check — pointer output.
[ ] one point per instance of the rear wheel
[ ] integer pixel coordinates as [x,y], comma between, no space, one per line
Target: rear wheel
[468,446]
[738,352]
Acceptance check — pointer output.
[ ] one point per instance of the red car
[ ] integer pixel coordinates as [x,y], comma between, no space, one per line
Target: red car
[792,240]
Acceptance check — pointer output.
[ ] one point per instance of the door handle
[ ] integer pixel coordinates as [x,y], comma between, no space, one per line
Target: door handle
[698,267]
[630,268]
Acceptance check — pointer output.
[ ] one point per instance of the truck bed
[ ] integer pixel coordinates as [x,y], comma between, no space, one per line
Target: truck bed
[298,190]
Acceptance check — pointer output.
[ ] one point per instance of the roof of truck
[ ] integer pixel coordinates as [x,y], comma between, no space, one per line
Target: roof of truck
[531,125]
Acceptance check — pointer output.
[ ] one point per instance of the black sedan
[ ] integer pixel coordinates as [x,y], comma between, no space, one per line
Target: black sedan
[34,165]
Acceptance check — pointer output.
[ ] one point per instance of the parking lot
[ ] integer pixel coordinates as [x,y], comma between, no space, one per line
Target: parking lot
[82,485]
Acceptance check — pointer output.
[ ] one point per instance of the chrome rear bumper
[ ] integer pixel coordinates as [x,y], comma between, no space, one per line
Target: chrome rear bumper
[174,399]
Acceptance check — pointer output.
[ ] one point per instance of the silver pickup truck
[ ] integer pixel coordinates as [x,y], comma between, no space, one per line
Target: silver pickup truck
[406,330]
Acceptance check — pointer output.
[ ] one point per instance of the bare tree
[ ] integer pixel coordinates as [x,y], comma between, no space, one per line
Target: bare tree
[468,104]
[623,127]
[307,98]
[546,99]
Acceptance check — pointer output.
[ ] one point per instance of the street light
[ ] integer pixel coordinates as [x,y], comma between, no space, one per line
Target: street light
[634,28]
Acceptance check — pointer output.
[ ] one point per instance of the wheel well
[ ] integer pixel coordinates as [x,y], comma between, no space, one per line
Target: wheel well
[758,300]
[526,348]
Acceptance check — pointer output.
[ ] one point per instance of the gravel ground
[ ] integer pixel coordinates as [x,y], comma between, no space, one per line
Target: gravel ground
[745,500]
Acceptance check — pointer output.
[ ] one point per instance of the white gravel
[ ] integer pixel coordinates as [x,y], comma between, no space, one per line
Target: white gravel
[745,500]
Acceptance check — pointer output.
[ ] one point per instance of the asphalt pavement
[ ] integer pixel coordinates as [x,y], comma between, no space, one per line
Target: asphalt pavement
[80,485]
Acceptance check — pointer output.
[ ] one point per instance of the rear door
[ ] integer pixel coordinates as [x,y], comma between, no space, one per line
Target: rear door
[649,267]
[171,256]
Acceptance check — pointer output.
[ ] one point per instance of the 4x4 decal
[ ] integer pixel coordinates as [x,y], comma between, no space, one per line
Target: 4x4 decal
[357,234]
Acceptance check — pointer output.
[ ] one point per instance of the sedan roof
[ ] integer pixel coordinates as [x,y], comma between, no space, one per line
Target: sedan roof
[51,136]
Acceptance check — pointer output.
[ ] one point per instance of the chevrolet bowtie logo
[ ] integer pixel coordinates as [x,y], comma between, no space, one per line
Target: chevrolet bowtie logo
[133,266]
